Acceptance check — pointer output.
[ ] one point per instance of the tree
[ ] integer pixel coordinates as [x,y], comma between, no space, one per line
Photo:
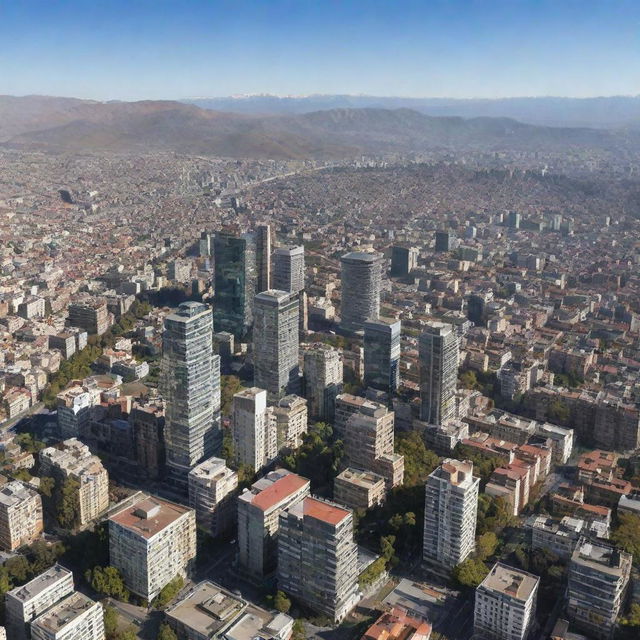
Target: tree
[627,534]
[468,379]
[281,603]
[166,632]
[299,632]
[486,545]
[419,461]
[388,551]
[558,412]
[169,592]
[19,569]
[109,582]
[470,573]
[229,386]
[110,617]
[47,486]
[68,503]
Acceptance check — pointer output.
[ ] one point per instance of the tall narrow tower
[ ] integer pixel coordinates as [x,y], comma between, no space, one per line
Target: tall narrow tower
[288,269]
[360,277]
[191,388]
[382,354]
[263,258]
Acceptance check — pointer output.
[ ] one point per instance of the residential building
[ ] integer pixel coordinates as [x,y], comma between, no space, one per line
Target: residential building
[361,280]
[254,434]
[318,558]
[505,604]
[263,258]
[450,514]
[359,489]
[382,354]
[259,509]
[90,315]
[212,488]
[438,373]
[151,541]
[290,415]
[403,261]
[445,241]
[20,515]
[288,269]
[560,537]
[77,617]
[323,373]
[397,624]
[147,422]
[276,343]
[74,410]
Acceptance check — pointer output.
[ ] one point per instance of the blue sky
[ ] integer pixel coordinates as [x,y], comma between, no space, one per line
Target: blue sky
[135,49]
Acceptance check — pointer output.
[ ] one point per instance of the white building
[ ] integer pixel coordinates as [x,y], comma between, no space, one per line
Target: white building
[20,515]
[290,416]
[74,618]
[323,373]
[254,435]
[505,604]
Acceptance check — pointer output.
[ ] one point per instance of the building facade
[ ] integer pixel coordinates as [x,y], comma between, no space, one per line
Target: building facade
[360,280]
[323,373]
[20,515]
[77,617]
[288,269]
[382,354]
[254,435]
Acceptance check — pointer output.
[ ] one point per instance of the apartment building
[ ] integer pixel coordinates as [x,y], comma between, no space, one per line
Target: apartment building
[20,515]
[359,489]
[291,423]
[77,617]
[323,373]
[254,435]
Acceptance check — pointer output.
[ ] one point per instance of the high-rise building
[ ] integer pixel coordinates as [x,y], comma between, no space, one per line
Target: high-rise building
[72,459]
[288,269]
[75,617]
[151,541]
[598,579]
[276,343]
[438,349]
[211,494]
[322,380]
[505,604]
[290,415]
[89,314]
[20,515]
[254,434]
[24,604]
[263,258]
[382,354]
[224,346]
[450,514]
[259,509]
[235,283]
[360,277]
[403,261]
[318,557]
[477,306]
[191,389]
[147,422]
[445,241]
[513,220]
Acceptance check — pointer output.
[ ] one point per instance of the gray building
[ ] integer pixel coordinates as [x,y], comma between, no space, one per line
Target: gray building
[403,261]
[263,258]
[438,350]
[360,276]
[445,241]
[288,269]
[382,354]
[276,342]
[191,388]
[322,380]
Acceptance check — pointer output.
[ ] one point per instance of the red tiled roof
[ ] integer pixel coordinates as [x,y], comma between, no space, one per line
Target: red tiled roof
[323,511]
[278,491]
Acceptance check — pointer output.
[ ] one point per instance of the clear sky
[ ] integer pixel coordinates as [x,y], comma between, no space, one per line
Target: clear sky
[135,49]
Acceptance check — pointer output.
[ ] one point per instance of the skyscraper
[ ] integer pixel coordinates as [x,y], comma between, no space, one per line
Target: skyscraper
[403,260]
[263,258]
[191,388]
[382,354]
[288,269]
[235,283]
[322,380]
[275,343]
[438,373]
[360,277]
[445,241]
[451,508]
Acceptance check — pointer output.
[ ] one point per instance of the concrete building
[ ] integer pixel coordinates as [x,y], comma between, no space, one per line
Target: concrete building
[382,354]
[450,514]
[263,258]
[598,580]
[74,410]
[151,541]
[74,618]
[24,604]
[397,624]
[360,276]
[276,343]
[147,421]
[259,509]
[190,386]
[359,489]
[560,537]
[323,373]
[20,515]
[74,460]
[288,269]
[445,241]
[90,315]
[403,261]
[290,416]
[505,604]
[318,558]
[438,373]
[212,488]
[254,435]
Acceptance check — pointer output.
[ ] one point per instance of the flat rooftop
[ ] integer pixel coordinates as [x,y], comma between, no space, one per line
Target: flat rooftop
[324,511]
[41,583]
[65,612]
[511,582]
[14,492]
[360,478]
[148,516]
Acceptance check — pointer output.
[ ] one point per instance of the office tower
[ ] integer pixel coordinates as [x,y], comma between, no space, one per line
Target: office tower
[318,558]
[191,389]
[90,315]
[438,373]
[235,282]
[24,604]
[259,509]
[288,269]
[598,580]
[513,220]
[445,241]
[151,541]
[205,244]
[74,460]
[290,416]
[322,380]
[477,306]
[20,515]
[451,509]
[74,618]
[403,261]
[382,354]
[505,604]
[263,258]
[147,422]
[211,494]
[360,278]
[254,435]
[368,444]
[275,343]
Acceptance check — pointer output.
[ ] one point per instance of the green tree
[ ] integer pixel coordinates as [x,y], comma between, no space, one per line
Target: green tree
[468,379]
[229,386]
[166,632]
[19,569]
[47,486]
[486,545]
[627,534]
[168,592]
[470,573]
[558,412]
[299,632]
[109,582]
[281,603]
[388,550]
[419,461]
[110,617]
[68,503]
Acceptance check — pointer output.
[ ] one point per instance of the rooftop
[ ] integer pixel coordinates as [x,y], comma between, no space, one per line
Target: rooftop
[274,488]
[62,614]
[40,583]
[361,478]
[511,582]
[324,511]
[148,515]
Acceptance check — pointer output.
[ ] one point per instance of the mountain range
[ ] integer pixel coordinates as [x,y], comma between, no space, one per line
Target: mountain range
[68,124]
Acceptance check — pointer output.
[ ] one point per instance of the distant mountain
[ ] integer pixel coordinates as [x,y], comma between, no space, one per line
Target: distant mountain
[60,124]
[605,112]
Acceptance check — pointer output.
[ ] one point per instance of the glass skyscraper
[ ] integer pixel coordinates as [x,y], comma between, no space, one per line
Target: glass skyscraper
[382,354]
